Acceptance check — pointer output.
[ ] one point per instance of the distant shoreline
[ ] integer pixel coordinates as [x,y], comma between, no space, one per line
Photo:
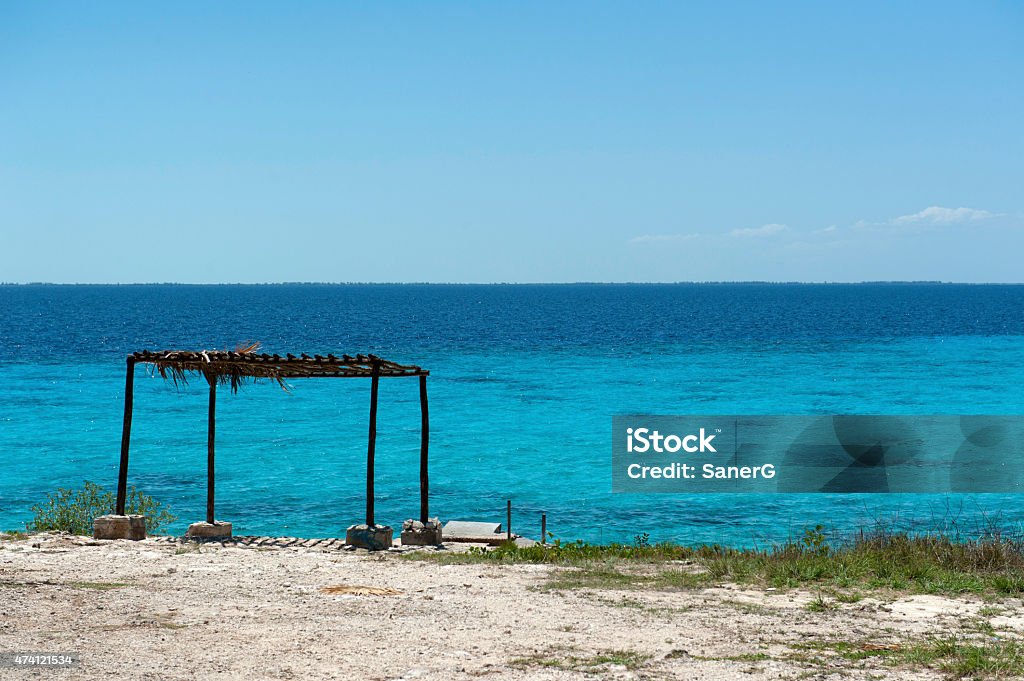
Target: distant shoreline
[518,284]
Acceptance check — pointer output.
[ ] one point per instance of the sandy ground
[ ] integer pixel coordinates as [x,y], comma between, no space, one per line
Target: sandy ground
[159,610]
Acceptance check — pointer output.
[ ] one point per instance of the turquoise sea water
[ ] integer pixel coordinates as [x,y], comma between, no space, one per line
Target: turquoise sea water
[523,386]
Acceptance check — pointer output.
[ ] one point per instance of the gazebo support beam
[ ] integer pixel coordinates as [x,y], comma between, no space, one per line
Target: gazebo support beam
[371,443]
[424,444]
[126,434]
[211,529]
[211,430]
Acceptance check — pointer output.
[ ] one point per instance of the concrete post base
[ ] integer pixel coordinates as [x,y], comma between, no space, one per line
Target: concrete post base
[372,537]
[416,533]
[216,529]
[119,527]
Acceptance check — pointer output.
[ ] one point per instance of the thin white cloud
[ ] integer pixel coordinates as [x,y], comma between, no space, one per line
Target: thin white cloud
[763,230]
[661,238]
[827,230]
[816,246]
[937,215]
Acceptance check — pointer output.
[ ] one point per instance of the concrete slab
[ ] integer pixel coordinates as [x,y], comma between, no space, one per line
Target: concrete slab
[467,531]
[469,528]
[119,527]
[416,533]
[372,537]
[216,529]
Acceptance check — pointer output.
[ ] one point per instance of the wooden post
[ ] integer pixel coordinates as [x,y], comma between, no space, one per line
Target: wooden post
[126,434]
[371,442]
[424,443]
[508,518]
[543,528]
[211,430]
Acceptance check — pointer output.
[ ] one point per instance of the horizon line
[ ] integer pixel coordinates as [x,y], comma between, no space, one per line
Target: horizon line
[527,283]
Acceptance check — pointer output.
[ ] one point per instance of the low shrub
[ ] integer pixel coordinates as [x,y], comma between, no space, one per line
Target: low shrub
[73,510]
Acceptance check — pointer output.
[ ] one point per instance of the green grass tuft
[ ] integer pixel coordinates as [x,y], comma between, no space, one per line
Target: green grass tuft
[917,564]
[99,586]
[629,659]
[958,657]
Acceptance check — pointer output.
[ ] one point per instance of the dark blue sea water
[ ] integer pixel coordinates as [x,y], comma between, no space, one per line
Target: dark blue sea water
[524,381]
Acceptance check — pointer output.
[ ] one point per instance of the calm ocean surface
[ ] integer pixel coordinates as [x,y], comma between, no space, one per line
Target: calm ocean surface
[524,381]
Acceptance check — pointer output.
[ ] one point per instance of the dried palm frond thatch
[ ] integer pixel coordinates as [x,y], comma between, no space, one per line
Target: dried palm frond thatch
[359,590]
[218,368]
[244,363]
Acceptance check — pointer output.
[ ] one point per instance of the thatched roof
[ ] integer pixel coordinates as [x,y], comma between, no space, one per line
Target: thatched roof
[235,367]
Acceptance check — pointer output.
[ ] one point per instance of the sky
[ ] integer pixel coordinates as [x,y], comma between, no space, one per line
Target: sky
[511,142]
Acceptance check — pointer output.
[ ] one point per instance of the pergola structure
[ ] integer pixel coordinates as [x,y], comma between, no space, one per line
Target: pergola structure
[235,368]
